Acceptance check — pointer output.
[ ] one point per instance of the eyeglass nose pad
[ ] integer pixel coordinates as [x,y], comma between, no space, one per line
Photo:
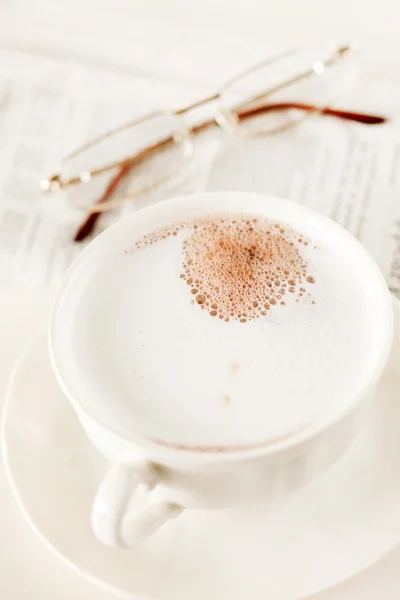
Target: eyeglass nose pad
[228,121]
[184,136]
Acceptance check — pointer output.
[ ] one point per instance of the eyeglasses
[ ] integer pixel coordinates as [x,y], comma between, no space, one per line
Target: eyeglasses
[138,157]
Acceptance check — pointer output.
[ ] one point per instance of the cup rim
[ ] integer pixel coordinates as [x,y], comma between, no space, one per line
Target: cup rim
[226,453]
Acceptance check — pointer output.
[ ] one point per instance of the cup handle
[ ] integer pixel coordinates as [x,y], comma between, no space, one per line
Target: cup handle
[112,521]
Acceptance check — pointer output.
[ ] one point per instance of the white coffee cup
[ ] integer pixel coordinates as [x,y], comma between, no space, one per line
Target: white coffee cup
[150,482]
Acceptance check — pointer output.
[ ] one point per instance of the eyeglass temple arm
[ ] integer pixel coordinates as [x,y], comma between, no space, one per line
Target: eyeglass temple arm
[86,228]
[364,118]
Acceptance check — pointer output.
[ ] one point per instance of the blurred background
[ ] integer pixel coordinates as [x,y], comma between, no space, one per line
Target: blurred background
[131,32]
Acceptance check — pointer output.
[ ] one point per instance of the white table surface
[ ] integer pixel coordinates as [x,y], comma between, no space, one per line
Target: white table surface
[28,570]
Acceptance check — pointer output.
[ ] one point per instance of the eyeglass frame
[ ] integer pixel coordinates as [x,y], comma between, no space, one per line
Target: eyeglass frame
[225,118]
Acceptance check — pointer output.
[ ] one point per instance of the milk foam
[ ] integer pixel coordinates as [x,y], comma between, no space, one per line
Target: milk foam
[238,268]
[144,346]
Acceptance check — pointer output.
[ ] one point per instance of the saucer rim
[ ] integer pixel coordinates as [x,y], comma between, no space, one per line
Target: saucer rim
[88,576]
[101,583]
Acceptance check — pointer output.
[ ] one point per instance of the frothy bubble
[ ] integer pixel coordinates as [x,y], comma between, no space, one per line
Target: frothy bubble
[238,269]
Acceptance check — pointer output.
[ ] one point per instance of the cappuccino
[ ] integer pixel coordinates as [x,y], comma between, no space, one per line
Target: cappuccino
[219,330]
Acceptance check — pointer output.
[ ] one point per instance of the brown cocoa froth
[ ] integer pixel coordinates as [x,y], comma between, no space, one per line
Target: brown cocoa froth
[238,269]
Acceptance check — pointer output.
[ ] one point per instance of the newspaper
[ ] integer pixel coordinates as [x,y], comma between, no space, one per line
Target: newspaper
[47,107]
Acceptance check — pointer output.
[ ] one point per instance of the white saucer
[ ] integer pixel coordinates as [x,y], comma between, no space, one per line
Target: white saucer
[337,526]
